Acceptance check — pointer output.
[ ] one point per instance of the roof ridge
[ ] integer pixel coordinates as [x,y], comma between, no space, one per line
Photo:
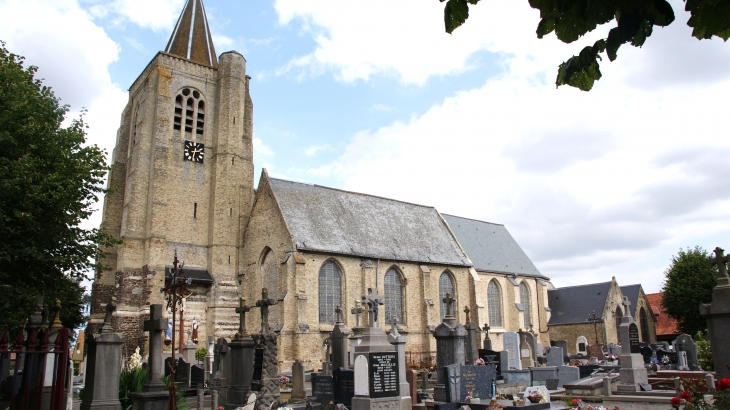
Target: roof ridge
[472,219]
[578,286]
[354,193]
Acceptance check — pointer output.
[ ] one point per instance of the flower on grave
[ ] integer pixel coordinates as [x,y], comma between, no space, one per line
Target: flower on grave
[135,360]
[685,395]
[479,362]
[283,380]
[723,384]
[675,402]
[469,396]
[665,360]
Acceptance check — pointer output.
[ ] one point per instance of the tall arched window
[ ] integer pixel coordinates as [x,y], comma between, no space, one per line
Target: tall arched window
[270,280]
[189,102]
[494,304]
[644,325]
[525,302]
[330,291]
[393,296]
[446,285]
[619,315]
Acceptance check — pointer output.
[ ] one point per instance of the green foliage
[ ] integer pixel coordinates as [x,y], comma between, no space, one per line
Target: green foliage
[688,283]
[200,354]
[49,179]
[635,21]
[704,351]
[131,381]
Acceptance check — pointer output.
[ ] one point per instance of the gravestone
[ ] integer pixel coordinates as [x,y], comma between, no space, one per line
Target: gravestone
[717,315]
[555,356]
[529,338]
[527,354]
[362,387]
[182,373]
[412,379]
[567,374]
[221,362]
[500,359]
[613,349]
[450,347]
[472,339]
[685,343]
[632,371]
[338,337]
[452,376]
[344,386]
[399,342]
[596,350]
[323,388]
[266,340]
[647,352]
[511,343]
[197,375]
[384,372]
[153,395]
[477,380]
[297,371]
[563,344]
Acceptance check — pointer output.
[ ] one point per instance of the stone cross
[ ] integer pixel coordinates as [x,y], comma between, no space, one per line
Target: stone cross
[448,300]
[372,300]
[627,305]
[110,308]
[486,330]
[264,304]
[720,259]
[155,325]
[467,310]
[242,309]
[338,314]
[357,311]
[394,327]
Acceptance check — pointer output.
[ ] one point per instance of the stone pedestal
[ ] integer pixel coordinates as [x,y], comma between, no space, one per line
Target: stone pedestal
[188,352]
[339,335]
[104,355]
[241,363]
[472,344]
[717,315]
[270,369]
[632,372]
[399,342]
[450,349]
[354,340]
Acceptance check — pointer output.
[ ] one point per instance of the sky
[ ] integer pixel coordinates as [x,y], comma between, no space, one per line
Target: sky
[374,97]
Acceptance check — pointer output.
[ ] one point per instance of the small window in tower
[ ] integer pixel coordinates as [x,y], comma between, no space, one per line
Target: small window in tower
[195,210]
[230,211]
[234,120]
[189,116]
[196,94]
[177,124]
[233,161]
[201,117]
[186,92]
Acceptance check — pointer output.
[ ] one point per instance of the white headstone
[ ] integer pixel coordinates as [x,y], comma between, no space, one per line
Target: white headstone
[541,389]
[581,345]
[511,342]
[362,380]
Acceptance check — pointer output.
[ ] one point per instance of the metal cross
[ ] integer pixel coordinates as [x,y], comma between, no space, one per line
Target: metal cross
[595,319]
[448,300]
[264,304]
[486,330]
[242,309]
[720,259]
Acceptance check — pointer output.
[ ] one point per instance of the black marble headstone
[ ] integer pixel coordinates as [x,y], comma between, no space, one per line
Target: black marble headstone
[477,380]
[344,383]
[167,366]
[383,369]
[323,388]
[197,376]
[634,338]
[258,366]
[491,356]
[182,372]
[646,351]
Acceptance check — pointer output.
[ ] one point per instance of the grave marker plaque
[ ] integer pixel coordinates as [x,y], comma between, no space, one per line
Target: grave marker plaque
[344,384]
[634,338]
[477,380]
[323,388]
[384,380]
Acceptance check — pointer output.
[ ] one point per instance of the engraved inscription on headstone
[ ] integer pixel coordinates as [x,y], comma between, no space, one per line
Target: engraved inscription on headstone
[344,383]
[634,338]
[323,388]
[477,380]
[384,380]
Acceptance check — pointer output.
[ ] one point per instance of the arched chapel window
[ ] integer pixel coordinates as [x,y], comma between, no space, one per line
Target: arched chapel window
[619,315]
[446,285]
[330,291]
[494,304]
[270,280]
[644,325]
[393,296]
[194,114]
[525,302]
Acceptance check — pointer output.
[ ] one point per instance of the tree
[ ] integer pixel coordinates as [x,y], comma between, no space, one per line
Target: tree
[49,180]
[635,21]
[688,283]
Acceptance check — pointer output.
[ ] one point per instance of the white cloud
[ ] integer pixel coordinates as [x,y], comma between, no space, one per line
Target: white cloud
[313,149]
[260,149]
[592,185]
[380,107]
[158,15]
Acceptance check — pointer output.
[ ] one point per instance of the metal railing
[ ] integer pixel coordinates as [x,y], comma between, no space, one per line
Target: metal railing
[39,367]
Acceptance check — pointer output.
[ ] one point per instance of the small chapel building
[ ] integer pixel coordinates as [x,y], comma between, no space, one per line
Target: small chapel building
[182,184]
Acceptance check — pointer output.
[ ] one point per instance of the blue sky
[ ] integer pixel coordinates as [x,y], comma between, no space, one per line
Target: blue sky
[374,97]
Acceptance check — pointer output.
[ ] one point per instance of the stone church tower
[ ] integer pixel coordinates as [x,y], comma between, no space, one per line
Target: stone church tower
[182,180]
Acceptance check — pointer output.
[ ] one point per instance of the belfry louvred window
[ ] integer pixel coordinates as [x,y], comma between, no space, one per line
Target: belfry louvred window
[194,116]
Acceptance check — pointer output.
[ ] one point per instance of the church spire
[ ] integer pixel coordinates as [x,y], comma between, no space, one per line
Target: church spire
[191,38]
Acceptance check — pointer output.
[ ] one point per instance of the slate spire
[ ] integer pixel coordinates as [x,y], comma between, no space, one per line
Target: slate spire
[191,38]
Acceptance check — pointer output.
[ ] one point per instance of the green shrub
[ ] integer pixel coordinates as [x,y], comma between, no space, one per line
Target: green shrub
[131,381]
[200,354]
[704,351]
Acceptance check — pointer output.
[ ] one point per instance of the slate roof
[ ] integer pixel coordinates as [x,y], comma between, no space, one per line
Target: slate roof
[632,292]
[191,37]
[490,247]
[573,304]
[329,220]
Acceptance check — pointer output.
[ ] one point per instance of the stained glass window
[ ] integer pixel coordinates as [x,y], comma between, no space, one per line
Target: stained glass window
[494,304]
[330,291]
[393,296]
[446,285]
[525,301]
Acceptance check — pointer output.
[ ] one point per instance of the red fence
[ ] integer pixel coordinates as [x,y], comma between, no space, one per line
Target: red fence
[39,368]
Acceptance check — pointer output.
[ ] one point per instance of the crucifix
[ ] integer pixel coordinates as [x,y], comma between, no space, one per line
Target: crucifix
[449,301]
[720,259]
[373,302]
[264,304]
[595,319]
[110,308]
[184,295]
[242,309]
[627,305]
[357,311]
[466,311]
[486,331]
[175,291]
[338,314]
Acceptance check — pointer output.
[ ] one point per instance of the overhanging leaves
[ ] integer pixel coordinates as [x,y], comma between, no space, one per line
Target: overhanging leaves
[456,12]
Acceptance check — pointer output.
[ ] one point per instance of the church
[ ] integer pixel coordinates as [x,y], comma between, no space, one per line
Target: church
[182,182]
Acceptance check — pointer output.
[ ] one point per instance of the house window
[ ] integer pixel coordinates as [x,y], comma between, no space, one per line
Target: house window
[446,285]
[330,291]
[525,301]
[494,304]
[393,296]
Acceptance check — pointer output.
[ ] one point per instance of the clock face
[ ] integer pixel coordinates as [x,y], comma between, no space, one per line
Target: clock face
[194,151]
